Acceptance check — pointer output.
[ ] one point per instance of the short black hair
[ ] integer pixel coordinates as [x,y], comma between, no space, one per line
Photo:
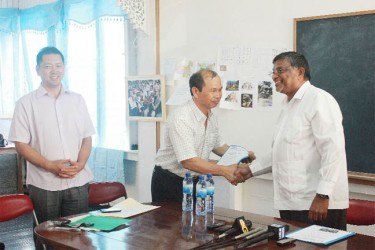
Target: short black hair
[296,60]
[48,51]
[197,79]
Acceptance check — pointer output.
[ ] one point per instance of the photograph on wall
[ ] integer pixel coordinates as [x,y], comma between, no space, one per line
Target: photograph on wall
[145,98]
[265,94]
[246,100]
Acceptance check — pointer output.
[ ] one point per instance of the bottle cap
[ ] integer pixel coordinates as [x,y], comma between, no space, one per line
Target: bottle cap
[209,175]
[187,174]
[201,177]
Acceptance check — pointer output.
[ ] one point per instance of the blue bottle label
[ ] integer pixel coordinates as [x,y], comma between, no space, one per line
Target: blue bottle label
[188,189]
[210,190]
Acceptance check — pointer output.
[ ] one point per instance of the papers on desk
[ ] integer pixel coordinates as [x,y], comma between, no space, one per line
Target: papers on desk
[107,222]
[129,207]
[234,155]
[319,235]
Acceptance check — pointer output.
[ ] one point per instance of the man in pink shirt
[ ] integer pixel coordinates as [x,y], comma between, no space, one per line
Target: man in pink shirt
[52,130]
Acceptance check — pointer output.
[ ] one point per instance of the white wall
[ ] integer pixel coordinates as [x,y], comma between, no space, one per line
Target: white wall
[194,29]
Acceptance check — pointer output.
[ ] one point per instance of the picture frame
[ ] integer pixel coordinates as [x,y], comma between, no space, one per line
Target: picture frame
[145,98]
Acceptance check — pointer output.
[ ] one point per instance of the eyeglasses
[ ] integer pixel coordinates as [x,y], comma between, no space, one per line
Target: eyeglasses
[279,71]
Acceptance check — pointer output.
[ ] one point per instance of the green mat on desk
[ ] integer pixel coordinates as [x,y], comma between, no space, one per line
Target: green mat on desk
[105,224]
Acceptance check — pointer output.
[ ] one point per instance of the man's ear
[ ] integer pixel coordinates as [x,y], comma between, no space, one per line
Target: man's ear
[301,72]
[195,91]
[37,67]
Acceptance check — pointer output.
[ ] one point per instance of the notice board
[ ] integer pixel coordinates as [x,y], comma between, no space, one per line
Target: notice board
[340,50]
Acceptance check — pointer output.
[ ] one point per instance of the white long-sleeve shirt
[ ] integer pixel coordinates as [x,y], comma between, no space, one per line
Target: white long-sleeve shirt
[308,152]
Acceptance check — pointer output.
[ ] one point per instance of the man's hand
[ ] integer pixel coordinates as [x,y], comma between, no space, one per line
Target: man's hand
[242,173]
[229,173]
[251,156]
[318,209]
[71,170]
[56,166]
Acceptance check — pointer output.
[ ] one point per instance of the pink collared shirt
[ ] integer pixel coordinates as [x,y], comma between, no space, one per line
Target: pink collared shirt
[55,127]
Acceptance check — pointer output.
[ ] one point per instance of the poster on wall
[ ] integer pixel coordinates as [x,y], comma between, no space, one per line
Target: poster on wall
[244,72]
[183,71]
[145,98]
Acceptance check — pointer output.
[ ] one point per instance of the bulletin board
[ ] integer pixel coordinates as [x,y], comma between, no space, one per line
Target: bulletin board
[340,50]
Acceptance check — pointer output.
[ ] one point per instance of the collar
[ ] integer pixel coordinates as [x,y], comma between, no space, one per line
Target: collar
[198,113]
[299,94]
[301,91]
[41,91]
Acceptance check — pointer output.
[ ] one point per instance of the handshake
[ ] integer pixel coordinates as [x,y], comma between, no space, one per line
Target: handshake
[241,172]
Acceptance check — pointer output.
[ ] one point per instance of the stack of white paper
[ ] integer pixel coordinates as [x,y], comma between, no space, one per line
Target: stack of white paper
[129,207]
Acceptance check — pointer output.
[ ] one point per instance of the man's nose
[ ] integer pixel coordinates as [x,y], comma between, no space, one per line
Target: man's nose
[274,77]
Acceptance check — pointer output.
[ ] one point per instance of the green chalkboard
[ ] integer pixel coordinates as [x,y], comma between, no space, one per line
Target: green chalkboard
[340,50]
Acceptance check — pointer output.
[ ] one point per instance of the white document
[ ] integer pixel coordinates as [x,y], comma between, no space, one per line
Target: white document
[233,155]
[129,207]
[319,235]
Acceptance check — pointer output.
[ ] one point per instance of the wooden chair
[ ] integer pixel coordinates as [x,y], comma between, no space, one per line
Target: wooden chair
[101,193]
[361,212]
[17,219]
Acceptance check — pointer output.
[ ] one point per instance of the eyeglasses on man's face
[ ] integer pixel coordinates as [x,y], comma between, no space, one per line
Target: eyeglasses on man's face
[279,71]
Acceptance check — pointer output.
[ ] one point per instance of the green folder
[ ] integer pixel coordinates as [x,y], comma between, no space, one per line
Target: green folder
[105,224]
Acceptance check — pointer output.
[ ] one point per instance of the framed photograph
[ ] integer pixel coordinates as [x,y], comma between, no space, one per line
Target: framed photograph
[145,98]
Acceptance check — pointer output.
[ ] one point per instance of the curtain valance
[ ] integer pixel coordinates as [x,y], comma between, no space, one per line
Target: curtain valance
[42,17]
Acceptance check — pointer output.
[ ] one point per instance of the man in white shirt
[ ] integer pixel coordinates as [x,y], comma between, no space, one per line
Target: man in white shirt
[192,133]
[308,159]
[52,130]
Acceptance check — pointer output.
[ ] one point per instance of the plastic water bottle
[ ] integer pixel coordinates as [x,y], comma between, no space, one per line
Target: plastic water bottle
[210,194]
[200,228]
[187,192]
[187,225]
[201,193]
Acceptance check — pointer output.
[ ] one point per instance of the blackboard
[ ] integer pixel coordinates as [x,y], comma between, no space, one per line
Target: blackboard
[340,50]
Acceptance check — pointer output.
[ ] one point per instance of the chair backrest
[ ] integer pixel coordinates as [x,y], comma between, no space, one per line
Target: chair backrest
[17,221]
[361,212]
[14,205]
[105,192]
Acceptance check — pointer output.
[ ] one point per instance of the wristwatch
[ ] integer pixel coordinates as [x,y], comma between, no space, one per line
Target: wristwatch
[323,196]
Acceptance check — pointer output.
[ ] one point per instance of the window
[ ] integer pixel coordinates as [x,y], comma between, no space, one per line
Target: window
[99,75]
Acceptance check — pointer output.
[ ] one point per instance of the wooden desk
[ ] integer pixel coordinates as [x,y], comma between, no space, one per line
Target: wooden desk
[162,229]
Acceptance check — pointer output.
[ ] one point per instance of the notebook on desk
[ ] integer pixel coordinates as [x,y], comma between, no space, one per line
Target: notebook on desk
[319,235]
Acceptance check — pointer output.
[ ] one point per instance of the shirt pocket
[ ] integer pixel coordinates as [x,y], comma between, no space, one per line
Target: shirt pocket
[292,177]
[297,129]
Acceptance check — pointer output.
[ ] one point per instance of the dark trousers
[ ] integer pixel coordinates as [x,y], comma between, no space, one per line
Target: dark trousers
[49,205]
[166,186]
[336,218]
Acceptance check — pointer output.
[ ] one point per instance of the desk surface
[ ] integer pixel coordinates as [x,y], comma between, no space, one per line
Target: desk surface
[163,229]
